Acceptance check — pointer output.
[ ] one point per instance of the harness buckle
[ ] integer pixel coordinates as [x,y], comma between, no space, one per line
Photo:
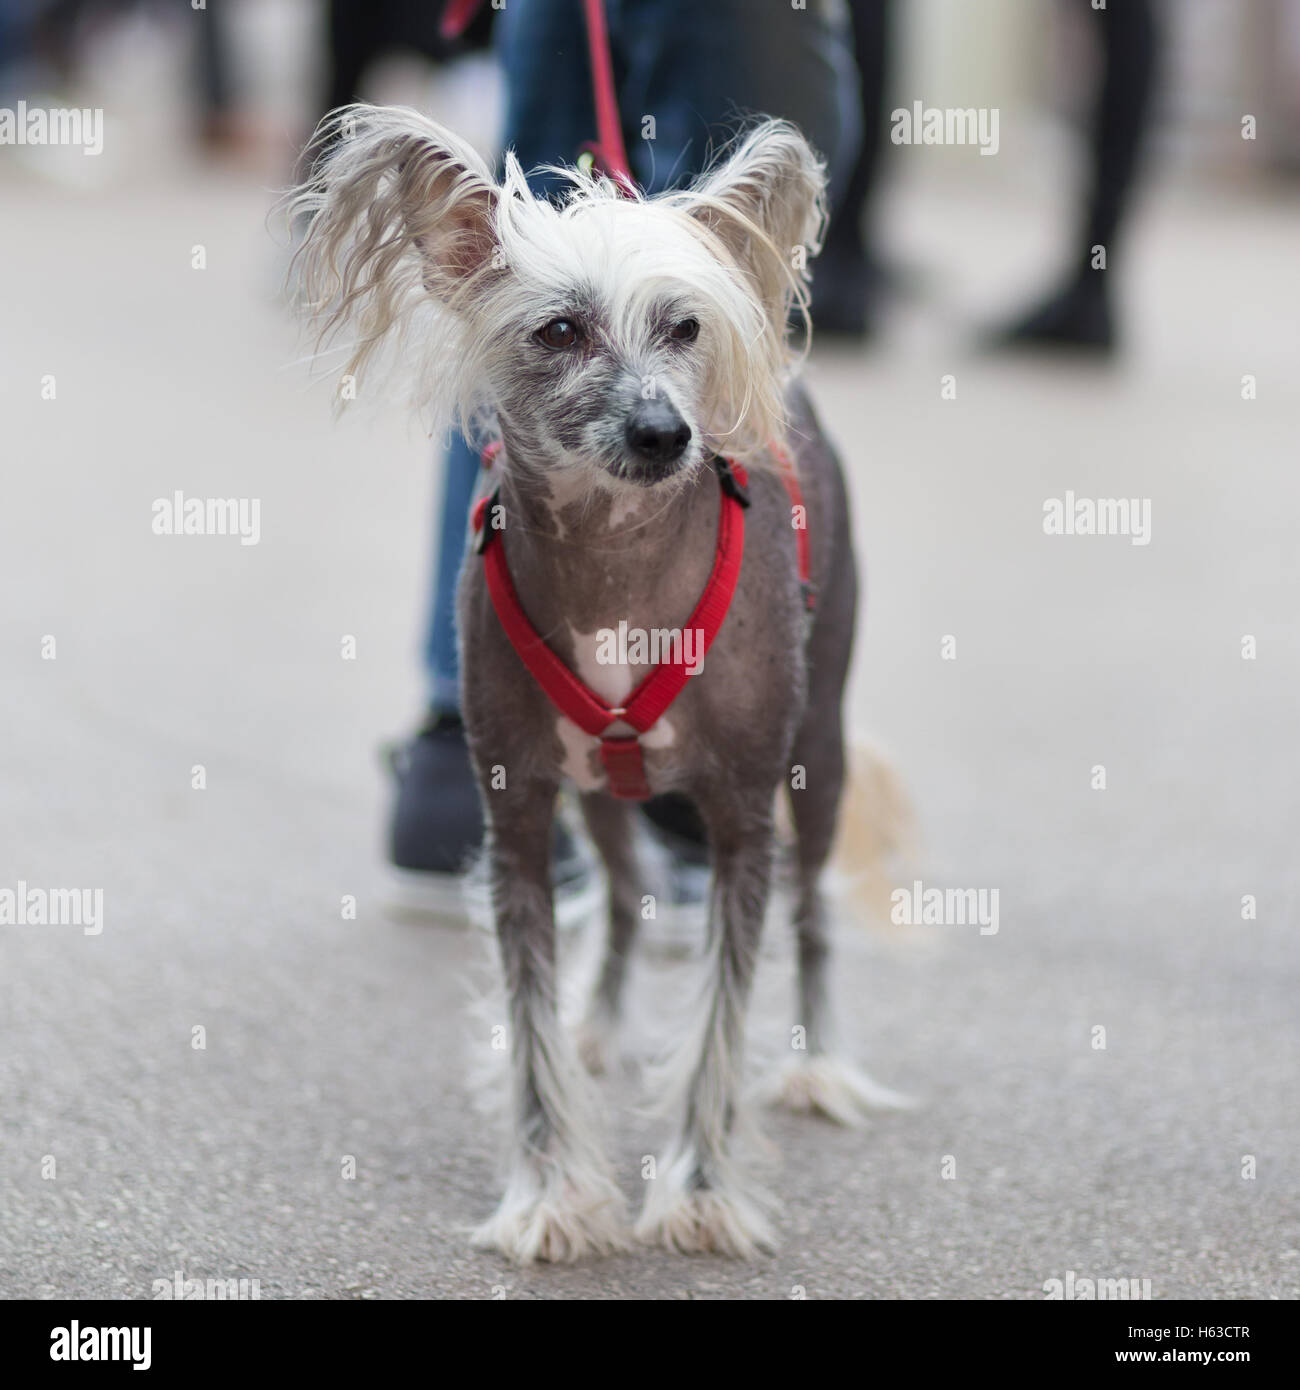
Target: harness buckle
[625,767]
[484,515]
[730,484]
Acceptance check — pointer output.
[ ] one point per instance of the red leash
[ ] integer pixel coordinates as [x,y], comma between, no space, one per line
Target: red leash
[457,16]
[609,149]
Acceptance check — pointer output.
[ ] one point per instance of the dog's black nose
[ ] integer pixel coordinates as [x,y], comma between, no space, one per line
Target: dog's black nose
[657,433]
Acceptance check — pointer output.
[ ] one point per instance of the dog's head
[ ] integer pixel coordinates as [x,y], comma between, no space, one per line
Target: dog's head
[621,339]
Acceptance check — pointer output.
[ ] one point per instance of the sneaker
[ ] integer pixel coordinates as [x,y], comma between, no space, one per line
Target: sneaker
[436,833]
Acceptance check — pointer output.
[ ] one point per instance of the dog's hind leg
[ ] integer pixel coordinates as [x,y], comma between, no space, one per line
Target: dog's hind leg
[697,1201]
[560,1201]
[611,825]
[817,1078]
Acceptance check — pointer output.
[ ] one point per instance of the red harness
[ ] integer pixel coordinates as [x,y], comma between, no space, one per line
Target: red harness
[621,754]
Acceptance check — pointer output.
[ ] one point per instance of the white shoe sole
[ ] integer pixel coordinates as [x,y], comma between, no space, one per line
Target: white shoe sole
[461,901]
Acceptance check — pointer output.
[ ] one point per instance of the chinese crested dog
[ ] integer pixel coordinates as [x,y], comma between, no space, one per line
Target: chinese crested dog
[627,359]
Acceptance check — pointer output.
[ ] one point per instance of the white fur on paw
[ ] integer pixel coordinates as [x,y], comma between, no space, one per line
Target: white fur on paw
[716,1220]
[559,1221]
[830,1086]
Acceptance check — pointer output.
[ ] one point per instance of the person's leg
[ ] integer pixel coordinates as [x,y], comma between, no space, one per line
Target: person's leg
[436,824]
[700,70]
[848,275]
[1119,125]
[441,662]
[550,114]
[542,49]
[355,40]
[1080,314]
[785,62]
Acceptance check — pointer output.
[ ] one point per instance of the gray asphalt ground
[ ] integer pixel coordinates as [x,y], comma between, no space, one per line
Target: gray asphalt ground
[328,1037]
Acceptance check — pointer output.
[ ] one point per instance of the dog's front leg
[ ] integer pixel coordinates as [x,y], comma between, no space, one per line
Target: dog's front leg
[611,826]
[697,1200]
[560,1201]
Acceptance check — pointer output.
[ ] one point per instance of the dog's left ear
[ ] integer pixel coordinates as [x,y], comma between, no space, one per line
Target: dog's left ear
[766,202]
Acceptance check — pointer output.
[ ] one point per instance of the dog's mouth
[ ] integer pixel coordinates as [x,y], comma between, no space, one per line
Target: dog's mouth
[637,470]
[641,473]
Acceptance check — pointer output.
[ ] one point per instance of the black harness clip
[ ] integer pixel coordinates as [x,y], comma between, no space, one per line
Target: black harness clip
[728,480]
[484,537]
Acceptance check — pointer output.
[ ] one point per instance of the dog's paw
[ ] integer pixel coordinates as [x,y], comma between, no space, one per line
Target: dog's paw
[707,1220]
[831,1087]
[558,1221]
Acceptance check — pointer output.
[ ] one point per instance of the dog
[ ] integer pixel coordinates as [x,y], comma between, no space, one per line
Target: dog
[629,356]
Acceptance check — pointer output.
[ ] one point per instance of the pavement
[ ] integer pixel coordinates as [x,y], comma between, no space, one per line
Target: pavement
[129,1152]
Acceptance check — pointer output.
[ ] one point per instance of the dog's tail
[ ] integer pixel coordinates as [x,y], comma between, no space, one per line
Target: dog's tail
[877,840]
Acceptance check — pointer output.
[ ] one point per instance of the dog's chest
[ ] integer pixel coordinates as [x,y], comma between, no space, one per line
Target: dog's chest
[601,659]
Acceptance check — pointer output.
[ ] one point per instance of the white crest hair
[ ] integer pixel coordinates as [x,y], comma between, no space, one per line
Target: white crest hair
[414,253]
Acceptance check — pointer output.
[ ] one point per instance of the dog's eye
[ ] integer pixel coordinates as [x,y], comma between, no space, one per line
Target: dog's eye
[559,334]
[685,332]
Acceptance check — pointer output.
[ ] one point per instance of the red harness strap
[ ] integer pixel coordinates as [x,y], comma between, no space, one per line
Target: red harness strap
[620,754]
[799,521]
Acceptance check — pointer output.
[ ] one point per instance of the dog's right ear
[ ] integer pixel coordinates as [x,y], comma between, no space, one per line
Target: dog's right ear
[394,202]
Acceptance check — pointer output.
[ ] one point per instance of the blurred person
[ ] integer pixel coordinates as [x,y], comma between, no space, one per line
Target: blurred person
[222,125]
[685,74]
[1080,313]
[849,275]
[361,32]
[56,36]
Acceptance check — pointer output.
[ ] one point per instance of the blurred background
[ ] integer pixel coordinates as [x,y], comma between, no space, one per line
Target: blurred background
[146,348]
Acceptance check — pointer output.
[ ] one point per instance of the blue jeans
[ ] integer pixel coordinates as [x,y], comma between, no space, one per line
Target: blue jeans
[699,68]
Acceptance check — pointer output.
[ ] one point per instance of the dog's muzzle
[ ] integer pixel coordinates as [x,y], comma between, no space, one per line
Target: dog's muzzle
[656,437]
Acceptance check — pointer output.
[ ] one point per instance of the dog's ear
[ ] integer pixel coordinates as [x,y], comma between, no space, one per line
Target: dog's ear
[392,197]
[448,201]
[766,202]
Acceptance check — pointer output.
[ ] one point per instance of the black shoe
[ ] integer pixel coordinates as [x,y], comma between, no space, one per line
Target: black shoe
[1077,319]
[437,826]
[436,833]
